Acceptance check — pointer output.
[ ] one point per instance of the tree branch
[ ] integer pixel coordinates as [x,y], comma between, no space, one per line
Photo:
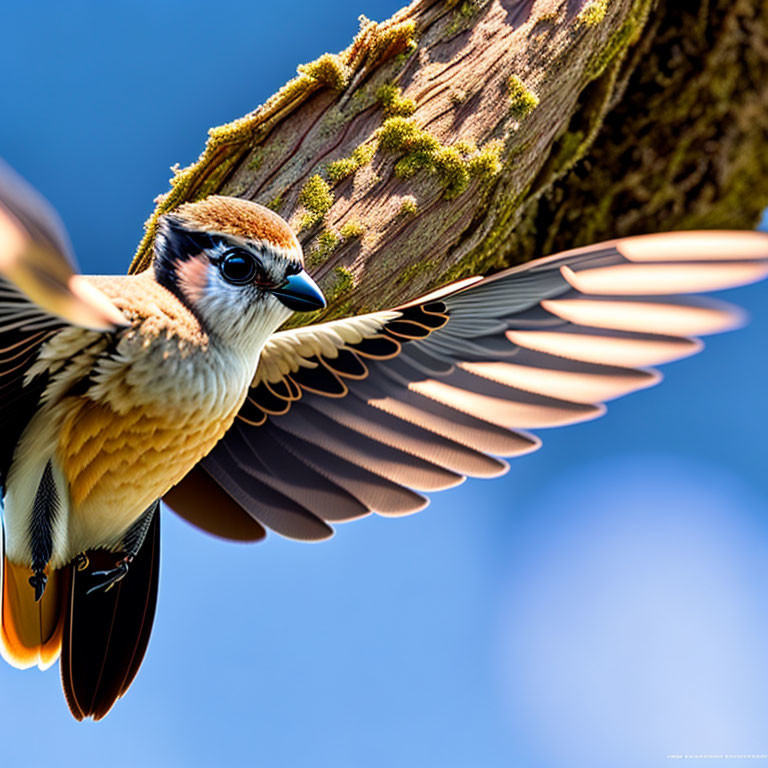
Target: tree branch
[462,136]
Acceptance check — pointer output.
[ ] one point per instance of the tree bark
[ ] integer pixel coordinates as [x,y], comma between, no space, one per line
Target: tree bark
[462,136]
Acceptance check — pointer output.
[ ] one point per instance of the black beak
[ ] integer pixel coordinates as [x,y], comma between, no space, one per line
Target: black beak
[300,293]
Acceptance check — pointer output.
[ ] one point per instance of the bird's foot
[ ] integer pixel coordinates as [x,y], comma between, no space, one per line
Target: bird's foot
[82,561]
[38,581]
[109,578]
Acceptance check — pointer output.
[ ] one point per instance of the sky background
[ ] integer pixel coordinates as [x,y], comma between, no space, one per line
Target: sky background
[604,604]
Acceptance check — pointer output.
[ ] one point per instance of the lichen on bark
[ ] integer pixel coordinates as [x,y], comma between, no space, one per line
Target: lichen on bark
[524,127]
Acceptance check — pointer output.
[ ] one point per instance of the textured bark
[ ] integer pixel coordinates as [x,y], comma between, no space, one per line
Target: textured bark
[462,136]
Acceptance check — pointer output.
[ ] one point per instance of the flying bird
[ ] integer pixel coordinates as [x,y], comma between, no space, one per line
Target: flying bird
[175,384]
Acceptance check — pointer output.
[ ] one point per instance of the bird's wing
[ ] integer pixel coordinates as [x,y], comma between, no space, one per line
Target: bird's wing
[365,414]
[40,295]
[35,255]
[24,328]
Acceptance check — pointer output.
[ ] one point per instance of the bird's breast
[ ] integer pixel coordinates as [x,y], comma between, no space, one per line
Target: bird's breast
[123,417]
[154,407]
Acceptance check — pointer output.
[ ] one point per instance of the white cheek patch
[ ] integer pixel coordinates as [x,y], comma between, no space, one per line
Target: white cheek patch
[242,316]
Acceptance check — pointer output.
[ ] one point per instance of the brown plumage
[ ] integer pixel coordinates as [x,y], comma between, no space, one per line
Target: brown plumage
[192,396]
[98,425]
[241,218]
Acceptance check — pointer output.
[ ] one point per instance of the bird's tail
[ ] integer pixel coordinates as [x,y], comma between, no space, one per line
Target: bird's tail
[106,632]
[30,632]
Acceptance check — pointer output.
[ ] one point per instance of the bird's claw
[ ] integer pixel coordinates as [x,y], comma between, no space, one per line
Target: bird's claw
[111,577]
[38,581]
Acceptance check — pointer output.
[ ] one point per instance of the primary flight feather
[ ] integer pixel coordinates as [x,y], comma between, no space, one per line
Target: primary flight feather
[174,384]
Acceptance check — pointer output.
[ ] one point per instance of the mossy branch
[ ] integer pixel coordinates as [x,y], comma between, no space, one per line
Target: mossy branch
[458,137]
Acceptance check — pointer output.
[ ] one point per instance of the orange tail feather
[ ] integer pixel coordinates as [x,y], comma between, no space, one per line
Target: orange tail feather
[30,632]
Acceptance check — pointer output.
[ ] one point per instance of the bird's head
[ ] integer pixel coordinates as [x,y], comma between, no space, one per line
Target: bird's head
[237,266]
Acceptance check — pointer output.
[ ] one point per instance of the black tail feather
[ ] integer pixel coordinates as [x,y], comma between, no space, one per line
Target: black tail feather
[106,633]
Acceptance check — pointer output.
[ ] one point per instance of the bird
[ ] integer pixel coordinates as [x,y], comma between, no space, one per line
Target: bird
[176,384]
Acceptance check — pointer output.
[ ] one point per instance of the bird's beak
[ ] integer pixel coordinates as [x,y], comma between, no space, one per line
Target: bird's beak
[300,293]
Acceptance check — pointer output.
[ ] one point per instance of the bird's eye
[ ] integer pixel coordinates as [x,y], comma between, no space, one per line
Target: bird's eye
[238,266]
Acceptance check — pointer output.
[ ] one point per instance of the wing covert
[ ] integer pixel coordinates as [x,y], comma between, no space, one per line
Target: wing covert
[363,414]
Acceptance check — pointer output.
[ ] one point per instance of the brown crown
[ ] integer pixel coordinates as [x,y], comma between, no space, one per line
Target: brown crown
[242,218]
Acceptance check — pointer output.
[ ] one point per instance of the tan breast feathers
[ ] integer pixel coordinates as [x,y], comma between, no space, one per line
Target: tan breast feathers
[114,458]
[156,402]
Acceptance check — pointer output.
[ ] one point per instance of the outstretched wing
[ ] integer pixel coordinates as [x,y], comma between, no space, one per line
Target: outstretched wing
[39,295]
[36,256]
[366,414]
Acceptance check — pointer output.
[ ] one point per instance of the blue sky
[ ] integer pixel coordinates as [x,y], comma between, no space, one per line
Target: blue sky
[603,604]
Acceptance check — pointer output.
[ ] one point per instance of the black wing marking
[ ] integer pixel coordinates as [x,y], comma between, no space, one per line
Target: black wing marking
[24,328]
[358,415]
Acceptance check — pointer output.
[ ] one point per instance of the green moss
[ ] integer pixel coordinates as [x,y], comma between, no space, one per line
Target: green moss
[388,41]
[328,241]
[317,198]
[412,271]
[462,18]
[469,8]
[399,134]
[411,164]
[453,170]
[466,148]
[344,282]
[352,230]
[329,70]
[256,160]
[621,39]
[486,163]
[569,148]
[453,27]
[409,206]
[454,164]
[522,100]
[346,166]
[592,13]
[326,244]
[276,202]
[390,97]
[364,153]
[340,169]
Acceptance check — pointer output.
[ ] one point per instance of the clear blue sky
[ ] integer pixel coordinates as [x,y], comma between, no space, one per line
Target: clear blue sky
[604,604]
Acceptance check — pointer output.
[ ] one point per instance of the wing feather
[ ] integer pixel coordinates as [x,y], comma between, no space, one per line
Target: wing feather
[304,485]
[383,427]
[376,407]
[397,465]
[268,506]
[40,295]
[376,492]
[35,254]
